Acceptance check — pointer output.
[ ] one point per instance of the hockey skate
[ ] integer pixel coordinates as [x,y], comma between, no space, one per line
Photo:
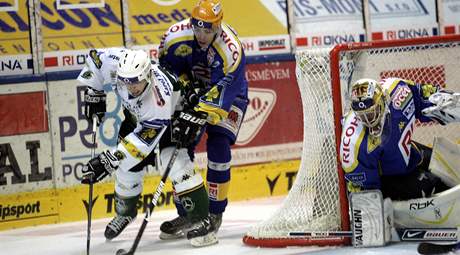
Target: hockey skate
[203,233]
[116,226]
[216,220]
[174,229]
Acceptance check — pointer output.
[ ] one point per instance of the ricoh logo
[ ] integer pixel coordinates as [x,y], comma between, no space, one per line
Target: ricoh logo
[10,211]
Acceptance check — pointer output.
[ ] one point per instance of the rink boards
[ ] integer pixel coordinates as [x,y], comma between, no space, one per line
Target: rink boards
[46,141]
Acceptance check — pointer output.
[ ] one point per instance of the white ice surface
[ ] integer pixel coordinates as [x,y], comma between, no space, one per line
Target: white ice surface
[70,238]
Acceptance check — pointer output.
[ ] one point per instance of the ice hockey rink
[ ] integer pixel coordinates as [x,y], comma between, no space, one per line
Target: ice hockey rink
[70,238]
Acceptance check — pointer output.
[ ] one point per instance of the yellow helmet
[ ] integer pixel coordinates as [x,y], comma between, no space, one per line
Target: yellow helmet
[369,102]
[207,14]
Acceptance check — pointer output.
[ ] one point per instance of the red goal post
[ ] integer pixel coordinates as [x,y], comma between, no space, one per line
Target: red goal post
[315,212]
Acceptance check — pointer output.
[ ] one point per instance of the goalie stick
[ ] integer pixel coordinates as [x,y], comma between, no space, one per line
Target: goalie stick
[435,248]
[404,234]
[152,205]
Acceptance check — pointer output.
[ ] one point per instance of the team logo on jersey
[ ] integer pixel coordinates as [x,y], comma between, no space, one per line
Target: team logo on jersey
[147,135]
[401,97]
[87,75]
[183,50]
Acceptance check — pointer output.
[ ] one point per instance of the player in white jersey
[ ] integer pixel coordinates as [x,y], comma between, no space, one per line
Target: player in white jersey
[149,95]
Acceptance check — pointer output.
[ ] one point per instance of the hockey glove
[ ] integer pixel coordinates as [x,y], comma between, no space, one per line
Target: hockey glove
[446,108]
[99,167]
[188,126]
[95,105]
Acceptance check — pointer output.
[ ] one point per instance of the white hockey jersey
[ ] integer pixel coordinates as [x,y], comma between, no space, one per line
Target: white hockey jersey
[153,108]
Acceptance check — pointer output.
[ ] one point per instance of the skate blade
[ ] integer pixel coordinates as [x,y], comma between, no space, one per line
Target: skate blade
[206,240]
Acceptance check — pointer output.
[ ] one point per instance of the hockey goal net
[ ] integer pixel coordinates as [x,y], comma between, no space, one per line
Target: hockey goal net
[315,212]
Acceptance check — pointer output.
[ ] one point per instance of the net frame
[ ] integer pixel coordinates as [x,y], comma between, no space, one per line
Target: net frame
[333,236]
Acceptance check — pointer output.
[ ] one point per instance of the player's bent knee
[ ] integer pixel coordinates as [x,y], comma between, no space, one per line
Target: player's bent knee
[128,184]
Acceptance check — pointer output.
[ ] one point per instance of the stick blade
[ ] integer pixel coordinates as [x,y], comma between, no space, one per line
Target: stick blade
[432,248]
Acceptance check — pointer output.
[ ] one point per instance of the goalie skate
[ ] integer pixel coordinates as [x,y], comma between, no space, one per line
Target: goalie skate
[203,233]
[174,229]
[116,226]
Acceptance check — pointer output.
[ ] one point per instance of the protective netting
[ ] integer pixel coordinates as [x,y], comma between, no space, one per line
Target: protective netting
[313,202]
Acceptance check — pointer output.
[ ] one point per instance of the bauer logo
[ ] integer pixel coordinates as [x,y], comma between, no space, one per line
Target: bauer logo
[261,103]
[19,211]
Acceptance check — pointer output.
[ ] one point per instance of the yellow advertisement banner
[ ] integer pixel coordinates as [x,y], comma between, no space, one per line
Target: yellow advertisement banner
[149,20]
[28,209]
[65,205]
[14,28]
[76,25]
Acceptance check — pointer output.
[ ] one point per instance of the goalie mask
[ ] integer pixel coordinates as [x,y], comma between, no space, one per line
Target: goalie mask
[206,19]
[368,102]
[134,71]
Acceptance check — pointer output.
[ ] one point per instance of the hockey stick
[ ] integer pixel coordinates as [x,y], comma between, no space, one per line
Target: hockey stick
[90,195]
[434,248]
[151,206]
[404,234]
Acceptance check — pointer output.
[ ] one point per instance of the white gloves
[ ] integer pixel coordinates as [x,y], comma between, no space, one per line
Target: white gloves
[446,108]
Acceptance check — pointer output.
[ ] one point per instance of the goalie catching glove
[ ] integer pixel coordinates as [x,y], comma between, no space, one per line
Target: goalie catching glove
[99,167]
[95,105]
[445,109]
[188,126]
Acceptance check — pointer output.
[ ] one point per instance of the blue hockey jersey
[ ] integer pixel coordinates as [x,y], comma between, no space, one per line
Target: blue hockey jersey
[365,158]
[219,68]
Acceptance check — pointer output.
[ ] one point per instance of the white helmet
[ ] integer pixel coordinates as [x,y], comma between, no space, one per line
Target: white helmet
[133,71]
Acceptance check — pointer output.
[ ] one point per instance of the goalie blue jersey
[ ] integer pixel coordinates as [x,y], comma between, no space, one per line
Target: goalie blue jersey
[365,158]
[219,68]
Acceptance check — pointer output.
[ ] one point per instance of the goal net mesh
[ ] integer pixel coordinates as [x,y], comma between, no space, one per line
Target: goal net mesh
[314,202]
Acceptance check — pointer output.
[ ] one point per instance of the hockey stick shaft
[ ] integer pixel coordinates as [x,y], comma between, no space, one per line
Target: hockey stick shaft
[90,192]
[404,234]
[152,205]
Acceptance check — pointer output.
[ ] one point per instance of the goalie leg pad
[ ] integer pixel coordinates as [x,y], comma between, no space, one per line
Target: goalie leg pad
[445,160]
[371,218]
[440,210]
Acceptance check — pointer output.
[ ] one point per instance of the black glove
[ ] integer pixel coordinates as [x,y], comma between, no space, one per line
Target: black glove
[188,126]
[99,167]
[95,104]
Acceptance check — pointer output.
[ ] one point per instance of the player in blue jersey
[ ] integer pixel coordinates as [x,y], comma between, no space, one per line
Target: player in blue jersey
[207,52]
[377,150]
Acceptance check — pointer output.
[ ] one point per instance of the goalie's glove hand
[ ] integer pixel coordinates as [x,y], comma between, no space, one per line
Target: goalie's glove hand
[99,167]
[95,105]
[445,109]
[188,126]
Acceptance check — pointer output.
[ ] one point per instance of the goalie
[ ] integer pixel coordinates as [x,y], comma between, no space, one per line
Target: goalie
[377,151]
